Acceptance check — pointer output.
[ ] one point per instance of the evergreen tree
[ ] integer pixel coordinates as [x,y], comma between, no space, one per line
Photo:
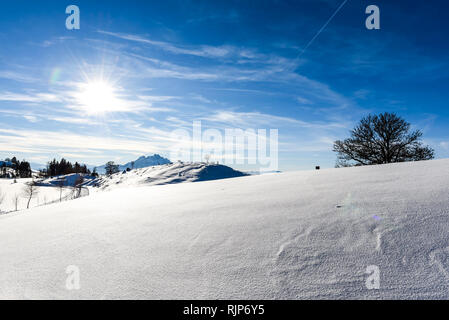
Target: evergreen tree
[111,168]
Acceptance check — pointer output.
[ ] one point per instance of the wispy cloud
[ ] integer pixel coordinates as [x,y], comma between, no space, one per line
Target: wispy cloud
[39,141]
[201,51]
[29,97]
[17,76]
[31,118]
[258,120]
[75,120]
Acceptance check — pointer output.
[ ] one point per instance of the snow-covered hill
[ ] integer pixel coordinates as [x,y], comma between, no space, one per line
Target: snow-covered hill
[166,174]
[12,191]
[68,180]
[298,235]
[142,162]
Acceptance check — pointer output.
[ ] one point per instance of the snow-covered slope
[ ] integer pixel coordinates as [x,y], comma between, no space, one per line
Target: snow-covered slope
[68,180]
[13,192]
[289,235]
[166,174]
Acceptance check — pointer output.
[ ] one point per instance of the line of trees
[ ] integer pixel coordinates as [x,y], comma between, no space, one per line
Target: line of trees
[63,167]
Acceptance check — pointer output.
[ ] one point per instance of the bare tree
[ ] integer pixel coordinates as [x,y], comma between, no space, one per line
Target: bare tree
[2,197]
[379,139]
[16,201]
[78,186]
[60,184]
[30,191]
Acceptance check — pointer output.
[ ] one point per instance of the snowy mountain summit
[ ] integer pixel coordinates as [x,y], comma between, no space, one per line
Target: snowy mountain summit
[142,162]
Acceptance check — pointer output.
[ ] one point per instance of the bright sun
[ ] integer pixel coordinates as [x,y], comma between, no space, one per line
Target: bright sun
[97,97]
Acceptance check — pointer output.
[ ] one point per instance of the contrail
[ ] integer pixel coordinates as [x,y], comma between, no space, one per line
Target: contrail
[321,30]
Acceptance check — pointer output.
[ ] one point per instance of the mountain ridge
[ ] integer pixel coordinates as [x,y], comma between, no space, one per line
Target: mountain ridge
[139,163]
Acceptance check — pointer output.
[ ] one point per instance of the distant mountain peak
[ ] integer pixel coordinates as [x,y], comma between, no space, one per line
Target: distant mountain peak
[141,162]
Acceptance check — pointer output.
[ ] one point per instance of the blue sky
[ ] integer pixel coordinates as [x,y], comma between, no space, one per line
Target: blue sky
[229,64]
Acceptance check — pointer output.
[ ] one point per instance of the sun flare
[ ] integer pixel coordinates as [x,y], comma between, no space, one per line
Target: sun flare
[97,97]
